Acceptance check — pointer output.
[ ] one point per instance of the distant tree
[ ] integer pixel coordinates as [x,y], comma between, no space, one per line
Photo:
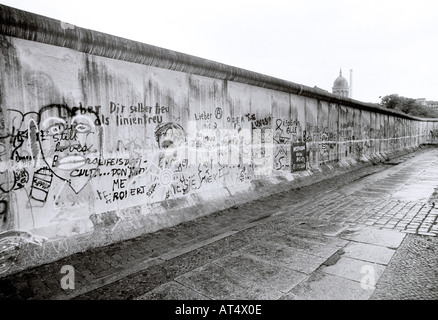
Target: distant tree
[408,106]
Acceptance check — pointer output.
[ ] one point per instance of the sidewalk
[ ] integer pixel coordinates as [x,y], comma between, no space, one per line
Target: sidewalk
[345,238]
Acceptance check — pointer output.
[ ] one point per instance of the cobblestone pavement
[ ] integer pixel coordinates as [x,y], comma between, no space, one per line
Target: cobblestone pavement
[364,234]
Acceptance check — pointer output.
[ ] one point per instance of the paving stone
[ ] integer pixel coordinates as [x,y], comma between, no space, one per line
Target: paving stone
[314,231]
[218,283]
[368,252]
[39,288]
[354,269]
[23,291]
[289,257]
[259,271]
[322,286]
[387,238]
[308,246]
[409,231]
[427,233]
[172,291]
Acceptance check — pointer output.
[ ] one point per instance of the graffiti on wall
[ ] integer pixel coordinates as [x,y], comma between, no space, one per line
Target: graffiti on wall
[327,146]
[299,155]
[286,132]
[133,141]
[59,160]
[433,136]
[70,141]
[11,243]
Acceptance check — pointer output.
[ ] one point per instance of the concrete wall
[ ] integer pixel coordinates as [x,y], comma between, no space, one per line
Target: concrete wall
[103,139]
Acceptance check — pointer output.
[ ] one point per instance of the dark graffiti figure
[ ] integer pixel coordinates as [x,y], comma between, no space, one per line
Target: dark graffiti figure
[4,218]
[170,135]
[70,139]
[171,139]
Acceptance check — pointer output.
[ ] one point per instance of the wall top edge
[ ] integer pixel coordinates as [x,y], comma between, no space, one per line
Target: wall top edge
[33,27]
[429,119]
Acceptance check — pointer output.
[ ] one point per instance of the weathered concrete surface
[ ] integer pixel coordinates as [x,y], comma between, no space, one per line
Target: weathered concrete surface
[287,246]
[107,139]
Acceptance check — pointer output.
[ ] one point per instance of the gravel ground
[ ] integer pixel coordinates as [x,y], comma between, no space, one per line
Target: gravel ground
[412,272]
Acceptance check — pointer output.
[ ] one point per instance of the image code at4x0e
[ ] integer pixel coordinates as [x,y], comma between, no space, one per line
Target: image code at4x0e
[223,309]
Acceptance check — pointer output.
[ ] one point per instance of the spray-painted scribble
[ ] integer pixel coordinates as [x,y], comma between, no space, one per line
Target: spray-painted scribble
[14,151]
[10,244]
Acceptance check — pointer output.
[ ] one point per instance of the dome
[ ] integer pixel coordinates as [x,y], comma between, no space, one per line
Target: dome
[340,86]
[340,81]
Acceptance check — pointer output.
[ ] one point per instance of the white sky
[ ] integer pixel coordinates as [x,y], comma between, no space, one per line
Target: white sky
[391,45]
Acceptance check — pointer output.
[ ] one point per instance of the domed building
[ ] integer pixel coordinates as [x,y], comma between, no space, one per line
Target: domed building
[340,86]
